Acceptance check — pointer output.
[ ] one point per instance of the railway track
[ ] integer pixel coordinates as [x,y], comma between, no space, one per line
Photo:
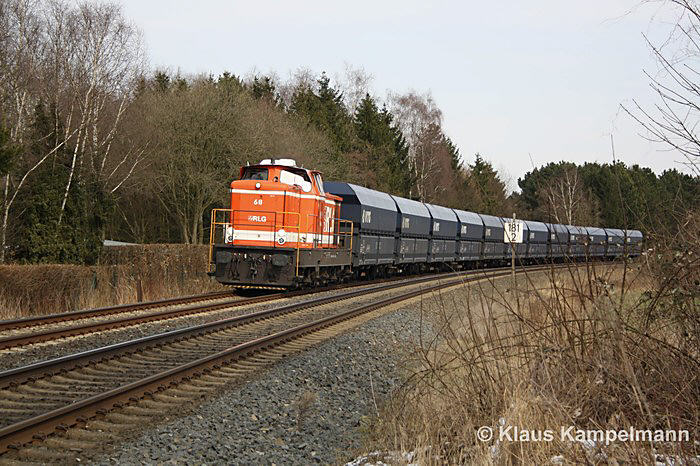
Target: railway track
[32,330]
[56,395]
[36,321]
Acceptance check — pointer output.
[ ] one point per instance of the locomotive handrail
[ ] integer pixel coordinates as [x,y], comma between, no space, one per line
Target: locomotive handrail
[350,233]
[335,233]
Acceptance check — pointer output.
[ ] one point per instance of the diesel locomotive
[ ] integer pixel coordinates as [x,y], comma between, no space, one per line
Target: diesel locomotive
[286,228]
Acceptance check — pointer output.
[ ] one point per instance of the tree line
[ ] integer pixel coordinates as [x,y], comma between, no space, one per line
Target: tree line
[93,145]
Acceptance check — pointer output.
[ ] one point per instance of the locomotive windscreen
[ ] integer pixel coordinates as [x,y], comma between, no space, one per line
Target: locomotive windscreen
[255,173]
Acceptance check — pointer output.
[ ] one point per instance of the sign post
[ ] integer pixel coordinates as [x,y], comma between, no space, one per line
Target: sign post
[513,234]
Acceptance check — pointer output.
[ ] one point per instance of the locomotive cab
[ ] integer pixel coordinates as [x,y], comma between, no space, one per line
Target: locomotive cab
[281,222]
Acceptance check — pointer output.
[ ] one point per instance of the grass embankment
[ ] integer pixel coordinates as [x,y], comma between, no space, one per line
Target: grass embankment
[600,347]
[125,273]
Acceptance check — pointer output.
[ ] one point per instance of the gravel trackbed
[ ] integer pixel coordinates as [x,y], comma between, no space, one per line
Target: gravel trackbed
[307,409]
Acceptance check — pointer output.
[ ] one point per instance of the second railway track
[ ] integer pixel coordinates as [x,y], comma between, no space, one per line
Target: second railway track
[38,399]
[32,330]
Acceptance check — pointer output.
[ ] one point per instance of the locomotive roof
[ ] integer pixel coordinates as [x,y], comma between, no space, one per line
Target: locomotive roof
[285,163]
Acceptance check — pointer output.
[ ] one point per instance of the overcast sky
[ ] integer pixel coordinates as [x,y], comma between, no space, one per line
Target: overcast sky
[521,82]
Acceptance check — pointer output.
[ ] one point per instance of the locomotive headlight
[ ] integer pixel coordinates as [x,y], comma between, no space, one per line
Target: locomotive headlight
[281,236]
[257,185]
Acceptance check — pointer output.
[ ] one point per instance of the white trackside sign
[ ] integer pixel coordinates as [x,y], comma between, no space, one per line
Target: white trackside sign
[513,232]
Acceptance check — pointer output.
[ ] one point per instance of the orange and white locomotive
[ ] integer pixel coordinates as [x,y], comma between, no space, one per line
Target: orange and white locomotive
[282,228]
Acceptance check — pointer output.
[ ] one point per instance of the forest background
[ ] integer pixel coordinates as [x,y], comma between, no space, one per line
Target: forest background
[94,145]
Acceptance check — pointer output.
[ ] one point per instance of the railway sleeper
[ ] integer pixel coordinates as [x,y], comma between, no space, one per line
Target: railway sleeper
[170,398]
[233,371]
[39,385]
[57,393]
[30,405]
[125,367]
[125,419]
[201,383]
[104,373]
[11,395]
[180,393]
[63,443]
[88,435]
[263,359]
[103,425]
[160,405]
[42,454]
[151,359]
[191,386]
[140,410]
[81,375]
[246,365]
[69,379]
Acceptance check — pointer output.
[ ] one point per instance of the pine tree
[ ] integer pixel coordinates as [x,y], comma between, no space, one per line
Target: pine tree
[488,186]
[385,146]
[325,110]
[400,178]
[264,89]
[8,151]
[39,236]
[161,81]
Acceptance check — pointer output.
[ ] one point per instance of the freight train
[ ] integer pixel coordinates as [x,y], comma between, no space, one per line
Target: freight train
[287,229]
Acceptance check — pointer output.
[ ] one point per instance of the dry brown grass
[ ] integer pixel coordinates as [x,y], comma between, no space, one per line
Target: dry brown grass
[596,347]
[158,270]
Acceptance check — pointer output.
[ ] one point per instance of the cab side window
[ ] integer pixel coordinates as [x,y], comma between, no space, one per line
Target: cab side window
[300,179]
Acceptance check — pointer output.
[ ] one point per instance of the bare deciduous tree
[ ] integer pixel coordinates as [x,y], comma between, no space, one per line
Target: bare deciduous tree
[432,164]
[21,51]
[566,199]
[196,136]
[83,60]
[98,54]
[354,84]
[416,116]
[675,117]
[299,79]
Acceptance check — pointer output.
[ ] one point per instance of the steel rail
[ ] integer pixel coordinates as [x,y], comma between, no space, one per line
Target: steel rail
[108,310]
[22,339]
[52,366]
[13,436]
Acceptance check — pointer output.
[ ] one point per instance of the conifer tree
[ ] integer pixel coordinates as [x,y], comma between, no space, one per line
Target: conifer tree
[264,89]
[161,81]
[7,151]
[489,187]
[325,110]
[385,146]
[40,237]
